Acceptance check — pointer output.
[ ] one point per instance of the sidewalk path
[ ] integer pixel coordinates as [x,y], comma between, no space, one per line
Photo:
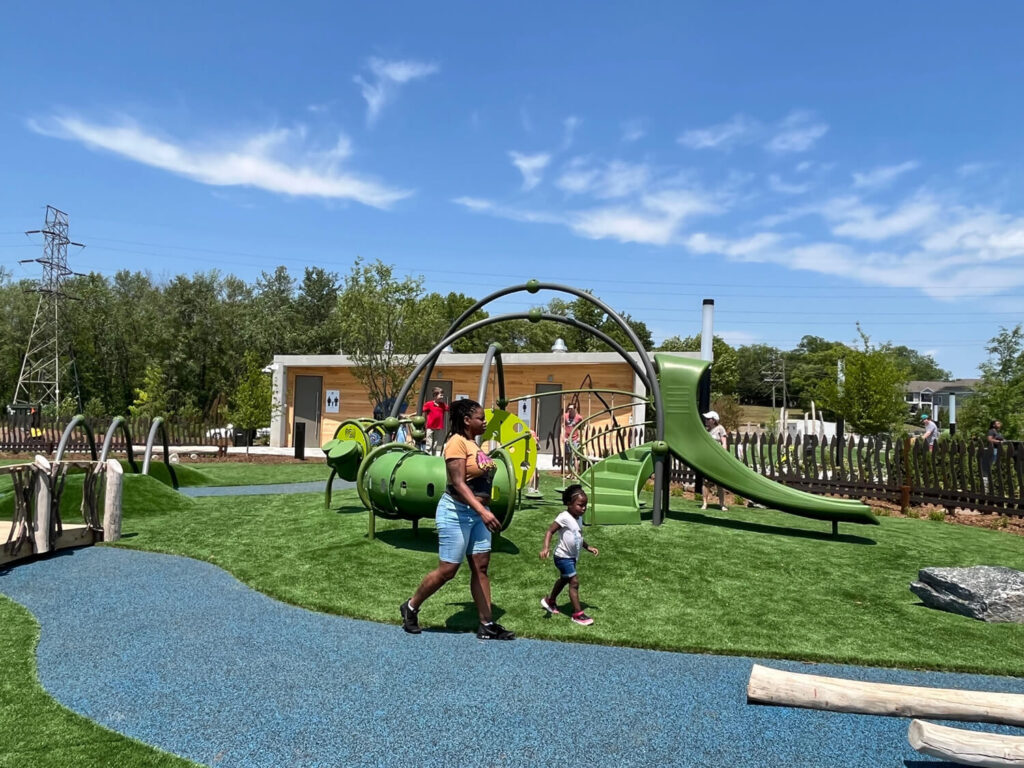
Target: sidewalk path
[179,654]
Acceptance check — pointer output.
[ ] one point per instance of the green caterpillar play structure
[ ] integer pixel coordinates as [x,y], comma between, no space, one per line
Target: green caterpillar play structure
[396,481]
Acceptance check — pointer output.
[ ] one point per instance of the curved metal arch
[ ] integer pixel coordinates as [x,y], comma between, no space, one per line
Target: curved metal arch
[108,440]
[493,355]
[158,424]
[533,286]
[432,355]
[75,421]
[651,378]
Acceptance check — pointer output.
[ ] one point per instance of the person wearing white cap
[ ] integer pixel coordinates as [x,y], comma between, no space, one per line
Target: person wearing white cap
[718,433]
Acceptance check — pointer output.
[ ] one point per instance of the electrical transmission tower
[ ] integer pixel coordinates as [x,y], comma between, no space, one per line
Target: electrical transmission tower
[39,381]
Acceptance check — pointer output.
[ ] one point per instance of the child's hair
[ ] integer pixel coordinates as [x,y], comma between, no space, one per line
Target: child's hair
[571,493]
[459,411]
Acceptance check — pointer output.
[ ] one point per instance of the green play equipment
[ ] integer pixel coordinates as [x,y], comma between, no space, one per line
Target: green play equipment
[396,481]
[691,444]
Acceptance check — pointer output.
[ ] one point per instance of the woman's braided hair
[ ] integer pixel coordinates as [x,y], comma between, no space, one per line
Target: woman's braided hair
[460,411]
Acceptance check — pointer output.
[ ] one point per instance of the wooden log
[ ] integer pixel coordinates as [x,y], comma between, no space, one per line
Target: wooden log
[112,501]
[791,689]
[992,750]
[41,519]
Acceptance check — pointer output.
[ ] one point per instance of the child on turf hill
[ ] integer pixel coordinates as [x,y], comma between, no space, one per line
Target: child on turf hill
[567,552]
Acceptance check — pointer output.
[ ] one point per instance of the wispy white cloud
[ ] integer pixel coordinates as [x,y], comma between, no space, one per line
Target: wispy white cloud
[634,130]
[385,77]
[725,136]
[798,132]
[973,169]
[569,126]
[653,219]
[776,183]
[531,166]
[882,176]
[604,180]
[275,161]
[852,218]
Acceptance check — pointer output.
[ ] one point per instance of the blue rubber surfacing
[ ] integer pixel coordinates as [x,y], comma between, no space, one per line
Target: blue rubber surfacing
[179,654]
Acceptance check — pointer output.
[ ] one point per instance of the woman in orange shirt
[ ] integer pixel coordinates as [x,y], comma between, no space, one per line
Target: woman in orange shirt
[464,523]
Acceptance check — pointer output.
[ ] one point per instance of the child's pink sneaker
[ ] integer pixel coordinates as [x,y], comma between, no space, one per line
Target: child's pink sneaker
[549,607]
[582,619]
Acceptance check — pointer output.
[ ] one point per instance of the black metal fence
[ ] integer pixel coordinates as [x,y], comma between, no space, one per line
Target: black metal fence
[15,437]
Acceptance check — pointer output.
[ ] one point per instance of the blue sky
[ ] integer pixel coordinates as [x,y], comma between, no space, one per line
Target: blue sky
[807,165]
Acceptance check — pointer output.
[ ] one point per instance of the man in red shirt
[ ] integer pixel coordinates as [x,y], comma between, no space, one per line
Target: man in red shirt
[435,411]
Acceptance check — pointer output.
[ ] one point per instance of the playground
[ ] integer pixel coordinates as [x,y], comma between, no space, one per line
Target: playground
[251,630]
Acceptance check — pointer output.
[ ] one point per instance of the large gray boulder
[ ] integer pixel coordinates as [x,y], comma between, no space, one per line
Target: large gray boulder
[985,592]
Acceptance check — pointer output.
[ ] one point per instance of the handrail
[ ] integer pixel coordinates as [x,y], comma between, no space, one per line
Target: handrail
[158,423]
[119,421]
[75,421]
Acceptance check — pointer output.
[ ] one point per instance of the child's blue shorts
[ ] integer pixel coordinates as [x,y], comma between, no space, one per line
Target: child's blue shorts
[566,566]
[460,531]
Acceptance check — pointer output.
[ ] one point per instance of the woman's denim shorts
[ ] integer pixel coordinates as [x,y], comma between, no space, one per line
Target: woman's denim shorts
[460,531]
[566,566]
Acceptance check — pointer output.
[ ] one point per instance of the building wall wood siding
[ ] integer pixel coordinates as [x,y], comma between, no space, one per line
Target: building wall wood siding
[519,380]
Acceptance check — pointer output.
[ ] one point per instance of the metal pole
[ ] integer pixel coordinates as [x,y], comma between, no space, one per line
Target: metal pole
[707,352]
[952,414]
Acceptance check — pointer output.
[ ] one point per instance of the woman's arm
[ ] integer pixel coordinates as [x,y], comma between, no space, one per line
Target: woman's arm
[457,480]
[547,540]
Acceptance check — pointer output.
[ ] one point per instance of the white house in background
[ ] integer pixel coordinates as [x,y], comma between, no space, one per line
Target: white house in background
[926,395]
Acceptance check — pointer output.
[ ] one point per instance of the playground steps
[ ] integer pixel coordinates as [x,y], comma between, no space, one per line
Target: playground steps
[72,536]
[615,490]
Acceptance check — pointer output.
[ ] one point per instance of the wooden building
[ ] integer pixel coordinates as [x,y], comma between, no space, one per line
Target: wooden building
[321,392]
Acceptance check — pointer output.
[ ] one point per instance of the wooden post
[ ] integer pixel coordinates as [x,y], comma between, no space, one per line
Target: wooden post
[905,488]
[993,750]
[41,519]
[792,689]
[112,501]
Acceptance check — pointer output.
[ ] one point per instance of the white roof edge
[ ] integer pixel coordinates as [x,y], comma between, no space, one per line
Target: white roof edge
[509,358]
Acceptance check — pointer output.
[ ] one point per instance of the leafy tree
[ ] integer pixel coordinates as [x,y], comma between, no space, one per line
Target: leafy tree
[724,371]
[1000,394]
[316,313]
[754,362]
[871,397]
[729,410]
[920,367]
[813,361]
[380,326]
[251,401]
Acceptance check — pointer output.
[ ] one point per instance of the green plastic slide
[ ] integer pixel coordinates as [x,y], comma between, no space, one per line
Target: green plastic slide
[690,442]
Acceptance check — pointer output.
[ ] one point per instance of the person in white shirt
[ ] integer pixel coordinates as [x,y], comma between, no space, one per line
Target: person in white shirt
[567,552]
[718,433]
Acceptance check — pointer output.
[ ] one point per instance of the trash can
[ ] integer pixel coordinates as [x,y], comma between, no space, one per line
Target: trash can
[243,437]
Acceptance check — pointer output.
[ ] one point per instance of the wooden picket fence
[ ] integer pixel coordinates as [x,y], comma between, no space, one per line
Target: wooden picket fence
[15,438]
[957,473]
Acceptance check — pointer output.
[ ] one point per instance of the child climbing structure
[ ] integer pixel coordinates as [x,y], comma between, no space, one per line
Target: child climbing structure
[396,481]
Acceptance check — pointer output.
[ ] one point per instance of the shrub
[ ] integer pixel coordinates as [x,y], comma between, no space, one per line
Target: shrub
[937,515]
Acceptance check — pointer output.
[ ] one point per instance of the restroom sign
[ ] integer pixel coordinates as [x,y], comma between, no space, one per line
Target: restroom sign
[333,401]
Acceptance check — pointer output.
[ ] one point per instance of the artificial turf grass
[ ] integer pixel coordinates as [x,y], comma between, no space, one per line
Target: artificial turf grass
[36,731]
[246,473]
[747,582]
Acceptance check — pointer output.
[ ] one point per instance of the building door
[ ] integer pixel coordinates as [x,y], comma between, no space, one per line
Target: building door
[447,387]
[308,392]
[548,410]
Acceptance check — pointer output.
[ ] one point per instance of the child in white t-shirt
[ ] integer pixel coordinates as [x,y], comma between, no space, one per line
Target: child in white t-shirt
[567,552]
